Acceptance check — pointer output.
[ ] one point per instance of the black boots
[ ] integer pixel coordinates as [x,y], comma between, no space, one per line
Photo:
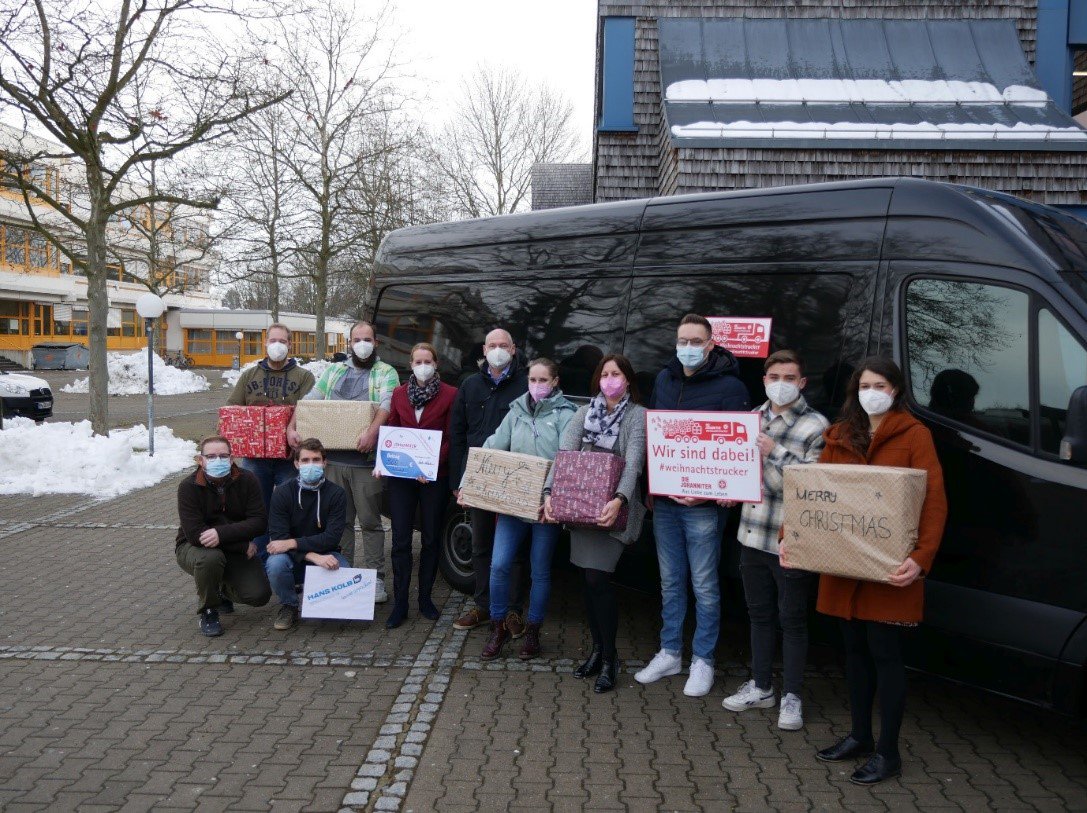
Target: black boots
[609,668]
[591,666]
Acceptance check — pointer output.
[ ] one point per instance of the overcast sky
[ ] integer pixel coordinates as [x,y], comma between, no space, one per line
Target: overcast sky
[553,41]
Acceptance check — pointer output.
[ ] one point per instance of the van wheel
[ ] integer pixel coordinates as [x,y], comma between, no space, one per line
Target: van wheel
[455,550]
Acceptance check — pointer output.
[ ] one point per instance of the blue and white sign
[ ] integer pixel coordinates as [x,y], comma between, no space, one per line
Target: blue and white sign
[408,453]
[346,593]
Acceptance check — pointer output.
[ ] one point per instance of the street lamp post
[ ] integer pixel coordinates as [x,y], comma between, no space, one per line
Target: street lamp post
[239,336]
[150,307]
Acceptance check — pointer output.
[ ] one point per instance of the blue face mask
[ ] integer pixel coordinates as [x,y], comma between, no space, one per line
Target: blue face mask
[311,473]
[689,357]
[217,468]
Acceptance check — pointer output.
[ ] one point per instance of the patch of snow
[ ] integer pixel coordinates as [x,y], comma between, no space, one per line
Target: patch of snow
[66,458]
[230,377]
[317,367]
[128,376]
[852,129]
[845,91]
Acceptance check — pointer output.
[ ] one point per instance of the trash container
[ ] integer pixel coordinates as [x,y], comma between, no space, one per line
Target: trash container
[60,356]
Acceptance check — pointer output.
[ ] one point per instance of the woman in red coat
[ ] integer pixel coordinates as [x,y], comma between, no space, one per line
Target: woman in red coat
[875,429]
[424,402]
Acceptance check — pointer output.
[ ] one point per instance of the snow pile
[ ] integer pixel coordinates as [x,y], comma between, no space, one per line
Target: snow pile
[128,376]
[876,130]
[846,91]
[66,458]
[230,377]
[317,367]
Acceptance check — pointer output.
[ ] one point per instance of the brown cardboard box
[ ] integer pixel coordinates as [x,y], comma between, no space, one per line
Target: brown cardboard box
[337,424]
[852,520]
[505,482]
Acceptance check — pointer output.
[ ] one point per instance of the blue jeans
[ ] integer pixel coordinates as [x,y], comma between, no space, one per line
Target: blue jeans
[688,542]
[270,473]
[284,573]
[508,535]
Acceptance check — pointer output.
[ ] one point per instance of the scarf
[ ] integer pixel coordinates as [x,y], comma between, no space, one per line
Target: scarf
[422,394]
[602,429]
[315,487]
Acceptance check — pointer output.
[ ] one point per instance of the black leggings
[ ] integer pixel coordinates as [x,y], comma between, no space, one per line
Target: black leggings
[873,662]
[603,609]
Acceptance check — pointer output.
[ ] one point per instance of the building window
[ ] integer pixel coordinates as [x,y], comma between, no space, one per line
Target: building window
[15,241]
[14,318]
[617,76]
[79,322]
[199,342]
[253,343]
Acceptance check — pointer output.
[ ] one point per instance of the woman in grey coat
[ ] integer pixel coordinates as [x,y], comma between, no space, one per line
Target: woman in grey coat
[612,422]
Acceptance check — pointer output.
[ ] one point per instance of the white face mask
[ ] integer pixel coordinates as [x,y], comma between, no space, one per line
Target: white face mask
[782,393]
[363,348]
[498,357]
[277,351]
[875,402]
[423,372]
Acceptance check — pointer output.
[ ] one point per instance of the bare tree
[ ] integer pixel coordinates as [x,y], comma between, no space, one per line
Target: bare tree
[117,86]
[340,66]
[502,126]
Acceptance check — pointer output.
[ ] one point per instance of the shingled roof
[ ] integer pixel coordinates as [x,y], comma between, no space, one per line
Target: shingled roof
[556,185]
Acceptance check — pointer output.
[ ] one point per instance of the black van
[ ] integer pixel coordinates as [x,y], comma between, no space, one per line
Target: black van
[981,297]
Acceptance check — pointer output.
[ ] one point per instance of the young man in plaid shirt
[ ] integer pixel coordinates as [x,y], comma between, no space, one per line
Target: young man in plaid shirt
[791,432]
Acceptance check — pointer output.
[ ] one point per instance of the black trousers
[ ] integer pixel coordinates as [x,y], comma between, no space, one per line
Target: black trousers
[602,607]
[406,497]
[873,665]
[483,523]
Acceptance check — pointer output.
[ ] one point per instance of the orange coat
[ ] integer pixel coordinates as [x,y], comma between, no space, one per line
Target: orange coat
[901,440]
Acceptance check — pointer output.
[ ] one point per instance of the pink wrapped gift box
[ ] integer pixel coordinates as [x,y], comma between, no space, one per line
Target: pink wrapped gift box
[256,431]
[584,483]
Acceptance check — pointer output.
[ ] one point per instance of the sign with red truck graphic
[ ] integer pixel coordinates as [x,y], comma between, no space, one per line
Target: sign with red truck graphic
[705,455]
[746,337]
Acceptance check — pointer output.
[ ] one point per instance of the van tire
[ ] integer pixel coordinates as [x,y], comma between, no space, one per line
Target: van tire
[455,550]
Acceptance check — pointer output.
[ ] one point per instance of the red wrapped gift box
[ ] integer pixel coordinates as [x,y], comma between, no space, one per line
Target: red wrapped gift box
[256,431]
[584,483]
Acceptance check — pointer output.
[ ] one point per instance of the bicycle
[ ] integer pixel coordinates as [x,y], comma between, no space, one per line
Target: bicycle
[178,359]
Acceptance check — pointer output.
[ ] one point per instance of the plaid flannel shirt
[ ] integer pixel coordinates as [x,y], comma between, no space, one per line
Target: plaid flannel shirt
[383,380]
[798,432]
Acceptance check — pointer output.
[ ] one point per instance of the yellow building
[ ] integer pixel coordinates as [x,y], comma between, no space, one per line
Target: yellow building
[209,336]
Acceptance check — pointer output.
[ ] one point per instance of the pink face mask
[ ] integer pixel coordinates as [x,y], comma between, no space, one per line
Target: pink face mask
[612,387]
[539,391]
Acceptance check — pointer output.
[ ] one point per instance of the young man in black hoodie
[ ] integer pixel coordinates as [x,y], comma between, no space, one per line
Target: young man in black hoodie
[482,402]
[701,377]
[221,511]
[304,527]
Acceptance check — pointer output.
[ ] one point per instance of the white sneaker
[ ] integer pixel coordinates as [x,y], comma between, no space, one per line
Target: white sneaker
[750,696]
[380,596]
[701,680]
[790,717]
[661,666]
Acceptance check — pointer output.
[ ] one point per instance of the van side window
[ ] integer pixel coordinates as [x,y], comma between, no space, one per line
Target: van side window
[967,350]
[809,311]
[572,321]
[1062,368]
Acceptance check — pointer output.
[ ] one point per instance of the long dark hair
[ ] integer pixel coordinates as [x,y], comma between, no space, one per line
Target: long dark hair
[625,367]
[854,420]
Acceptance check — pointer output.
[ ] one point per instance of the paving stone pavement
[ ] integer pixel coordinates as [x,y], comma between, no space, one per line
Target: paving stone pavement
[110,699]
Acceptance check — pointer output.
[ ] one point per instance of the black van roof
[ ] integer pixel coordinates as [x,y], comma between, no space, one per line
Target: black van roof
[974,225]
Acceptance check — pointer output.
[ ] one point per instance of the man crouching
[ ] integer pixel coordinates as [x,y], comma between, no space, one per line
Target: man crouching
[221,511]
[305,523]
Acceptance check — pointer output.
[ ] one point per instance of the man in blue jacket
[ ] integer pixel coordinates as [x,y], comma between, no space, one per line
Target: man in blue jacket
[305,523]
[701,378]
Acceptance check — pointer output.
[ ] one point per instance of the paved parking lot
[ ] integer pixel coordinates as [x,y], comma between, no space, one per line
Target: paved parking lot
[110,699]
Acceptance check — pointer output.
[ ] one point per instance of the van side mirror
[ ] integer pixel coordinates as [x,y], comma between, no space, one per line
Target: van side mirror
[1074,443]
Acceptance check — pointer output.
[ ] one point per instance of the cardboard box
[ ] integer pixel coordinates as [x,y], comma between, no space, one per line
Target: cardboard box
[505,482]
[583,484]
[852,520]
[337,424]
[256,431]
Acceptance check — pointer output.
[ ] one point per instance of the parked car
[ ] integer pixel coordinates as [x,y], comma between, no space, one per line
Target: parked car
[981,297]
[25,396]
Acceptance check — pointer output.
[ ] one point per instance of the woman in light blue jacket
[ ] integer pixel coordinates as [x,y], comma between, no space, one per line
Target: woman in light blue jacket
[533,425]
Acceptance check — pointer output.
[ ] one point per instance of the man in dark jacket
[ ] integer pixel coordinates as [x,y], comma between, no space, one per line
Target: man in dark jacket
[702,377]
[482,402]
[305,524]
[221,511]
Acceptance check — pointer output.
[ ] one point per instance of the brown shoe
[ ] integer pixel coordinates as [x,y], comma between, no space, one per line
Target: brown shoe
[472,619]
[515,624]
[499,636]
[530,647]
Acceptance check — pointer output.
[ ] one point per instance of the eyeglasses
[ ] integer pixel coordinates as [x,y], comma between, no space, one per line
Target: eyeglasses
[217,456]
[690,342]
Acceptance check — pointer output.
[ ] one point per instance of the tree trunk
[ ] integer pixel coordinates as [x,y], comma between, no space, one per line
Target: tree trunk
[98,308]
[321,289]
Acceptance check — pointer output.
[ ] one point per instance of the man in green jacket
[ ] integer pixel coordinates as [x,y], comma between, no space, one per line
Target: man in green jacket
[363,377]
